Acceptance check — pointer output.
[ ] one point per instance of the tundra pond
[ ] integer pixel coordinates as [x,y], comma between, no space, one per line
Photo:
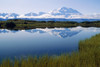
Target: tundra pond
[42,41]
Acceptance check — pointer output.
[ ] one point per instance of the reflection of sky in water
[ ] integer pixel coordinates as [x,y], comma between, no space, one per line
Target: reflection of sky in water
[43,41]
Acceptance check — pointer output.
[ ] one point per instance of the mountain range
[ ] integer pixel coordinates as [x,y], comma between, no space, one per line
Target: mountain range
[61,14]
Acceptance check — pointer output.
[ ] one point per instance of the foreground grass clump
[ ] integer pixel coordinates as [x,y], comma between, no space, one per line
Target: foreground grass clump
[88,56]
[89,51]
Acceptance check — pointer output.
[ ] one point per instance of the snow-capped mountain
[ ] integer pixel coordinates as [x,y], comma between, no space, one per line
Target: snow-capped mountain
[3,14]
[57,14]
[65,11]
[8,15]
[34,14]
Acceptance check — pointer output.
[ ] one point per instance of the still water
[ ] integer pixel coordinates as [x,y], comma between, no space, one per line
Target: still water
[51,41]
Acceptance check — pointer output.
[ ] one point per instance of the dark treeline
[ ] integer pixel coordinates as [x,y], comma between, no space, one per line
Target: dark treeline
[28,24]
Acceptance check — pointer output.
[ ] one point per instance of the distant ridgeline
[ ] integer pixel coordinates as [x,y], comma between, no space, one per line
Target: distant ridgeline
[29,24]
[53,19]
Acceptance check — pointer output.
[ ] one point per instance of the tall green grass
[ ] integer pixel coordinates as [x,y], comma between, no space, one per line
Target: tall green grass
[88,56]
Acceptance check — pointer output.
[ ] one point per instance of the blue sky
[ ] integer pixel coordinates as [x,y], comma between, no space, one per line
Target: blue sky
[25,6]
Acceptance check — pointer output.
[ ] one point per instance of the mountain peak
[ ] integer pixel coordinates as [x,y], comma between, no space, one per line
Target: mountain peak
[65,11]
[64,8]
[68,10]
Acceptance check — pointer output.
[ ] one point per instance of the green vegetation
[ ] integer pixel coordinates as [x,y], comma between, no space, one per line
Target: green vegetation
[27,24]
[90,24]
[88,56]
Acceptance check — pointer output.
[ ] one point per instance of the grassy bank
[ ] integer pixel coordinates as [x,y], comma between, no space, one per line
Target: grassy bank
[88,56]
[26,24]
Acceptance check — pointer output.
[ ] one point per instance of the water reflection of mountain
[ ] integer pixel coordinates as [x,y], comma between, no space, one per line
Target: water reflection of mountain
[60,32]
[8,31]
[34,31]
[4,31]
[64,33]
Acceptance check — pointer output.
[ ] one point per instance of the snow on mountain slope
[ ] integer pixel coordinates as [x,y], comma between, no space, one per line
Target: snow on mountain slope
[41,13]
[31,14]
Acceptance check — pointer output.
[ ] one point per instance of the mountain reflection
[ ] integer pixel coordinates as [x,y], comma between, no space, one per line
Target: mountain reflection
[8,31]
[60,32]
[4,31]
[34,31]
